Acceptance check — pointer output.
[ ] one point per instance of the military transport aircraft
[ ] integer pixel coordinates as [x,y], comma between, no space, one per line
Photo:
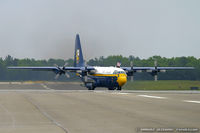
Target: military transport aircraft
[94,76]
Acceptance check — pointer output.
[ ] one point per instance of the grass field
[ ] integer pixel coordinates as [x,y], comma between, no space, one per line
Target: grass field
[161,85]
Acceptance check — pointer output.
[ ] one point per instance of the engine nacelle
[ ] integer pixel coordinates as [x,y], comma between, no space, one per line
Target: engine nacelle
[92,72]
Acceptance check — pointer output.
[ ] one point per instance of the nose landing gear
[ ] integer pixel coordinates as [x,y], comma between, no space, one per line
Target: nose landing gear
[119,88]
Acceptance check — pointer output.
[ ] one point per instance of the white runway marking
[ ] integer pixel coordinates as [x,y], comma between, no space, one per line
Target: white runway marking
[44,86]
[46,114]
[123,93]
[148,96]
[120,93]
[190,101]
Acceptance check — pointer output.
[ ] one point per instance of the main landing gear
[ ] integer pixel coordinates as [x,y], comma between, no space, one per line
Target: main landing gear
[89,85]
[119,88]
[111,88]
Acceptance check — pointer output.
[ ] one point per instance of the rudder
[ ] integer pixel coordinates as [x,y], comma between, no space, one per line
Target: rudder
[78,55]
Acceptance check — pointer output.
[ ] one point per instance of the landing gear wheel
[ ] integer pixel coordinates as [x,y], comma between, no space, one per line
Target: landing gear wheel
[111,88]
[119,88]
[91,88]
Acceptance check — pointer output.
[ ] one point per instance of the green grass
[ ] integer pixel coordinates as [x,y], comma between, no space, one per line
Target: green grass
[161,85]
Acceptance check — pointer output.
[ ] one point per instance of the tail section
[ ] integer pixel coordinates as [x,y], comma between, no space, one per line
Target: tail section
[78,55]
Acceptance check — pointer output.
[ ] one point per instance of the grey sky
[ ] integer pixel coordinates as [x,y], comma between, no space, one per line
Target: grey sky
[44,29]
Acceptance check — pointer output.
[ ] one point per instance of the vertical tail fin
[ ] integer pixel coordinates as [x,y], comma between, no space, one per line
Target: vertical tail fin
[78,55]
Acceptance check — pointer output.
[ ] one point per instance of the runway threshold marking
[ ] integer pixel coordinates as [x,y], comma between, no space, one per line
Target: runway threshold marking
[148,96]
[190,101]
[44,86]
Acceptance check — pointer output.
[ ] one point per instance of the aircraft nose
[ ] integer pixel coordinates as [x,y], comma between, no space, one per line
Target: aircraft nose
[121,80]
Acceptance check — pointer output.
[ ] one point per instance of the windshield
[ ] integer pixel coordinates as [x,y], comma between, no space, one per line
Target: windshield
[118,72]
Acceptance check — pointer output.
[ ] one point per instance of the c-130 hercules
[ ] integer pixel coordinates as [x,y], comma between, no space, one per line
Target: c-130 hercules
[94,76]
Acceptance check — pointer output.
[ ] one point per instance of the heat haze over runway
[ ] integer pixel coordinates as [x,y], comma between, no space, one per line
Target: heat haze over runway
[47,107]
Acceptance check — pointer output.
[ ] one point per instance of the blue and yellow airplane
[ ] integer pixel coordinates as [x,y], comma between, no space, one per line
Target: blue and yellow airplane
[93,76]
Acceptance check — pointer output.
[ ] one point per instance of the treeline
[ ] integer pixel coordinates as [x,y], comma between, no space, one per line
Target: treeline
[6,75]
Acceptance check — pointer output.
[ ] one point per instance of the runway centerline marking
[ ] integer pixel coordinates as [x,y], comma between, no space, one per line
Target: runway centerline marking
[148,96]
[190,101]
[44,86]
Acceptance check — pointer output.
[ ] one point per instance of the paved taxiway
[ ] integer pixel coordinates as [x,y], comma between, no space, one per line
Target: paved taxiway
[55,108]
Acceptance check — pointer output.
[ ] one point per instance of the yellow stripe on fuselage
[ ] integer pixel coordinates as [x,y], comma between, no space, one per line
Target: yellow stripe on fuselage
[107,75]
[121,78]
[110,75]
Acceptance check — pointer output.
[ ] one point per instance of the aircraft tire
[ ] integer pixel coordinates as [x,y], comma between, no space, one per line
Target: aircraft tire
[91,88]
[111,88]
[119,88]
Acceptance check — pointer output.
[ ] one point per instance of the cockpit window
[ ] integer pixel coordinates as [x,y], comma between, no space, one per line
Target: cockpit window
[118,72]
[121,72]
[115,72]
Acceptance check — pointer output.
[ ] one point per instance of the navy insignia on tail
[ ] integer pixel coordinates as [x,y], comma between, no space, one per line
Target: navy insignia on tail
[78,55]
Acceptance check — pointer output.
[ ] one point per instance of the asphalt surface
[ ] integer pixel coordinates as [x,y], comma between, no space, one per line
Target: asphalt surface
[70,108]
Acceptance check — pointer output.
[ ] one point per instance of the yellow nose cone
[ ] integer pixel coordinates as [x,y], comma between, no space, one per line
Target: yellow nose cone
[121,80]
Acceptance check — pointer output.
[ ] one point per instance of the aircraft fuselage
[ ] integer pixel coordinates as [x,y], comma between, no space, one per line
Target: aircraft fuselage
[110,77]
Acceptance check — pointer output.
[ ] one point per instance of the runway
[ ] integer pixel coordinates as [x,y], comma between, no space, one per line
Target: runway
[70,108]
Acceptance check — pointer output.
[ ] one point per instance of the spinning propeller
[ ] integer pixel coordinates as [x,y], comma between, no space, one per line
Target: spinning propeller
[155,71]
[60,71]
[84,73]
[131,71]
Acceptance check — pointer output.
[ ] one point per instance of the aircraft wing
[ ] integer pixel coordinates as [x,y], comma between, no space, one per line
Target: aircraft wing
[49,68]
[175,68]
[135,69]
[36,68]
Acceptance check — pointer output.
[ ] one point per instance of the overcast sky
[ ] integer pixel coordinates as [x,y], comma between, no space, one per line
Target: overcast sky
[44,29]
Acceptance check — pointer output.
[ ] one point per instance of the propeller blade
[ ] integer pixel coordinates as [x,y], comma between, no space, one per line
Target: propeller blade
[85,63]
[66,63]
[57,75]
[56,65]
[156,77]
[131,63]
[156,71]
[132,78]
[85,78]
[155,63]
[67,75]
